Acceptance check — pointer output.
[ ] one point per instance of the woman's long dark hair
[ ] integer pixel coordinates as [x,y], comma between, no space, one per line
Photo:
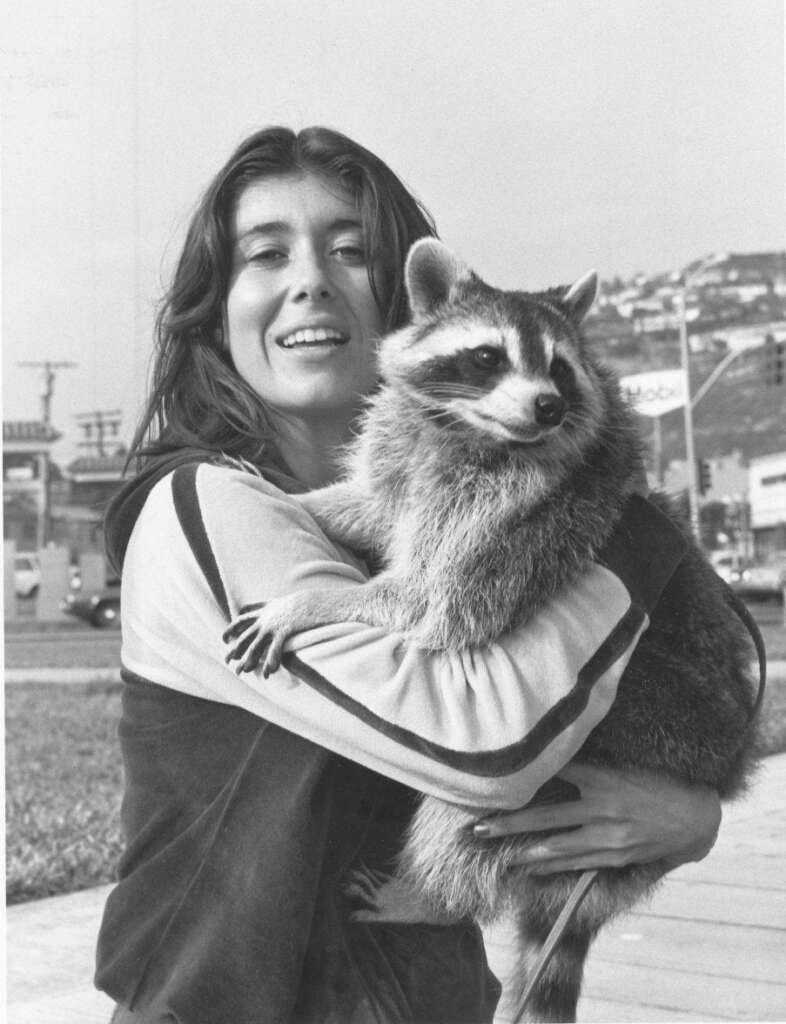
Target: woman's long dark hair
[197,398]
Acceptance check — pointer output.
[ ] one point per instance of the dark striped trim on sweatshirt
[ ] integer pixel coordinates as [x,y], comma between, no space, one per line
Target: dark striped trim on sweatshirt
[504,760]
[189,515]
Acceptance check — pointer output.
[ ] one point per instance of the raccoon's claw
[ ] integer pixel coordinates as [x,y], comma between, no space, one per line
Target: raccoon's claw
[248,652]
[254,647]
[274,645]
[257,635]
[246,617]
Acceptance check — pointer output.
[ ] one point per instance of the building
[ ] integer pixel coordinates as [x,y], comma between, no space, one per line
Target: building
[767,495]
[27,446]
[79,502]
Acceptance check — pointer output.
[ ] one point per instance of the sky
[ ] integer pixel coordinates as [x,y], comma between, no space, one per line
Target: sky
[547,137]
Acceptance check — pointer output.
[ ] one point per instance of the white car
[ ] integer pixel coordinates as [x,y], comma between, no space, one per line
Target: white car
[764,582]
[27,574]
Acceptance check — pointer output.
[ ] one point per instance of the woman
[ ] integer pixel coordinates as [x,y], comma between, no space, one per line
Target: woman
[263,816]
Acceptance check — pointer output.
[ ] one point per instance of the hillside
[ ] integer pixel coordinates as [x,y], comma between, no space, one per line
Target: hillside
[635,328]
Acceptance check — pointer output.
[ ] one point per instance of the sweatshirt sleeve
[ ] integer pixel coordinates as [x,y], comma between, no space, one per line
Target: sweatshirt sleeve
[484,727]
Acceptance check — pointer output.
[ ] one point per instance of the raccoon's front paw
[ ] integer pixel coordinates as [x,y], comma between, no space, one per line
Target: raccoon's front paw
[257,633]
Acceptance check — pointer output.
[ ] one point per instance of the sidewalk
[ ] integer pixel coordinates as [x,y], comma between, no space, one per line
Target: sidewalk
[710,946]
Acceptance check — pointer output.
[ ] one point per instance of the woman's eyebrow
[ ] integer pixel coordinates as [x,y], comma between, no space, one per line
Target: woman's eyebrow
[270,227]
[281,226]
[345,223]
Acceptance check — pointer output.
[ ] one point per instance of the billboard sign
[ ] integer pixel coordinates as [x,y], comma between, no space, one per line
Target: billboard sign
[656,392]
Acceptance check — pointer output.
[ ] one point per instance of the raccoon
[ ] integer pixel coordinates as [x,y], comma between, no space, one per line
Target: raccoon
[492,465]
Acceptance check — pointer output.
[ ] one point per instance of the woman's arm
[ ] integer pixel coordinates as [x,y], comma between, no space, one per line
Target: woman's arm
[484,727]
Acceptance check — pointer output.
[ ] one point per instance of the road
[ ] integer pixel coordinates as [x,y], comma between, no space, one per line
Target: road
[72,648]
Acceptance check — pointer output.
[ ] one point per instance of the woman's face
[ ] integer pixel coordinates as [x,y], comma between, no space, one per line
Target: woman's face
[301,319]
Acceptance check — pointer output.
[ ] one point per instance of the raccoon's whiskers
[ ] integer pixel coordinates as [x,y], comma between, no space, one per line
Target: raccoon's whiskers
[453,390]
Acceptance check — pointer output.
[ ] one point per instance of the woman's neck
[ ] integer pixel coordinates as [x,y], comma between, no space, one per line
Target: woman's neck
[312,448]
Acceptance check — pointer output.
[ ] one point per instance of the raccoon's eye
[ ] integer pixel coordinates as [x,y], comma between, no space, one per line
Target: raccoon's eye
[487,357]
[561,372]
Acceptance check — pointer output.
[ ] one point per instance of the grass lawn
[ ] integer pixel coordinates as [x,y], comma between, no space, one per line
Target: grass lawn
[64,779]
[63,788]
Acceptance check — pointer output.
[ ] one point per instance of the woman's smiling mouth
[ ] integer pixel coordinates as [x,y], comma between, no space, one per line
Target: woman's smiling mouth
[313,336]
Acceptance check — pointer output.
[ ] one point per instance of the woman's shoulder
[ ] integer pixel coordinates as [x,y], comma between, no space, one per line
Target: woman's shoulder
[222,476]
[219,492]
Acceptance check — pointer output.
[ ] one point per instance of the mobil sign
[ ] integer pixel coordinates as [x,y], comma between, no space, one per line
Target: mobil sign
[655,393]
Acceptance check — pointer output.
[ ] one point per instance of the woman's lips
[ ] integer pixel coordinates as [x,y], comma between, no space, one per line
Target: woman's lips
[313,336]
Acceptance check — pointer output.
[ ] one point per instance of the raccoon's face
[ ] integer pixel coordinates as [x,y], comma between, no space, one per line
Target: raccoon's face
[504,366]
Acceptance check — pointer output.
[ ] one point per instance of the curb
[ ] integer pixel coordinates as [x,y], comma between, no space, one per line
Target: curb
[14,676]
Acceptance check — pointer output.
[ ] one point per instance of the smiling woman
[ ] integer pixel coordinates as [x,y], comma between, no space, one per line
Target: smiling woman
[262,818]
[301,317]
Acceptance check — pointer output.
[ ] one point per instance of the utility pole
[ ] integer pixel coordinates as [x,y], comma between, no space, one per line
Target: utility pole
[97,425]
[49,368]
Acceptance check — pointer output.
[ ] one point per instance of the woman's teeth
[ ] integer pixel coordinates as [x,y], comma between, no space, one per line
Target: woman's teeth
[312,336]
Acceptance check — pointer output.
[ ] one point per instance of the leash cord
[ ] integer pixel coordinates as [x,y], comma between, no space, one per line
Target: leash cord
[572,904]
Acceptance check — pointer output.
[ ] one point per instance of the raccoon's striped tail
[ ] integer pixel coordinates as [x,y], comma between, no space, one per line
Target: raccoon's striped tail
[553,982]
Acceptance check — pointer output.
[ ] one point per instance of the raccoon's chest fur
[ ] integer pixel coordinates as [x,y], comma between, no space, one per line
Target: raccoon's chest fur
[477,538]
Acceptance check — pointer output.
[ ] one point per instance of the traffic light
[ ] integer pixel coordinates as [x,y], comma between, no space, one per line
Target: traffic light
[704,475]
[774,360]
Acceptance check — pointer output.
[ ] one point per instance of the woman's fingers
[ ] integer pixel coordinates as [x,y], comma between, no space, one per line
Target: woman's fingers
[600,840]
[533,819]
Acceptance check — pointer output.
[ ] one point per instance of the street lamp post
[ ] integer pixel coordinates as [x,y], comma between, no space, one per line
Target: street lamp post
[690,453]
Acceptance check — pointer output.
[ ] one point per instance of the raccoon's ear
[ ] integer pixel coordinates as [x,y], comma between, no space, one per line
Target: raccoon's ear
[430,273]
[580,297]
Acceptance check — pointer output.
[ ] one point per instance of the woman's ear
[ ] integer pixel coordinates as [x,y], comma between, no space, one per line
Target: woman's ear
[431,272]
[580,297]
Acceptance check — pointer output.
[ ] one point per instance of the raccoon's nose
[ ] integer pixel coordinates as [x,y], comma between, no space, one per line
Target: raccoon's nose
[550,410]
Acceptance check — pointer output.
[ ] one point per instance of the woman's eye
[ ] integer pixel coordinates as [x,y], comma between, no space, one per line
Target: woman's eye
[487,357]
[267,256]
[350,253]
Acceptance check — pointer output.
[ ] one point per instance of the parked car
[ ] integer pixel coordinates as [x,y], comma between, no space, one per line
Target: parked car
[100,608]
[727,564]
[27,574]
[764,582]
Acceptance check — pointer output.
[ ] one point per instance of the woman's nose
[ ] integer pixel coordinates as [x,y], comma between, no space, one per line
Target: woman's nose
[311,279]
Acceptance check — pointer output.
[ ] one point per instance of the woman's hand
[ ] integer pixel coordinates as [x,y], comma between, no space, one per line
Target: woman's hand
[623,817]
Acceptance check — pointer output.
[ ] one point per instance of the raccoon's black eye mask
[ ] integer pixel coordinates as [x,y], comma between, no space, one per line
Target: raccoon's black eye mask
[561,372]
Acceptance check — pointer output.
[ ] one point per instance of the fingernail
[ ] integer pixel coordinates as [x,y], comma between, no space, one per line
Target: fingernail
[481,831]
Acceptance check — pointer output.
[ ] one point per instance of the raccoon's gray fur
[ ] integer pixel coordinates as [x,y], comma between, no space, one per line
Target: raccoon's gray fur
[493,463]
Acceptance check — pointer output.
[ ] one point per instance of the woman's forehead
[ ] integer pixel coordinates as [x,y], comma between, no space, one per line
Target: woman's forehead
[292,201]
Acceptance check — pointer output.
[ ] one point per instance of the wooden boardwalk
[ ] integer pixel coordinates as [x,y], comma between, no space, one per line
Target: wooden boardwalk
[710,946]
